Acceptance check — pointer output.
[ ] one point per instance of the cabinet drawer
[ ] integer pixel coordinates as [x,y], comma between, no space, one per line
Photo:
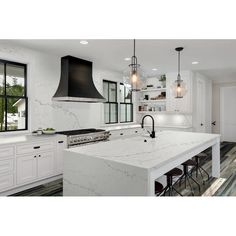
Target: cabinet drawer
[6,181]
[6,166]
[34,147]
[6,152]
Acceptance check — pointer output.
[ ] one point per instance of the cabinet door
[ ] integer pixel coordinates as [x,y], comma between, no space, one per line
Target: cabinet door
[26,168]
[61,145]
[45,164]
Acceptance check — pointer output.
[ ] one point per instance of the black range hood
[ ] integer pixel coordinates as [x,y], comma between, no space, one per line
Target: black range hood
[76,83]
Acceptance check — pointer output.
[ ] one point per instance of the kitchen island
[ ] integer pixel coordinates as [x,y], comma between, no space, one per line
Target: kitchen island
[129,167]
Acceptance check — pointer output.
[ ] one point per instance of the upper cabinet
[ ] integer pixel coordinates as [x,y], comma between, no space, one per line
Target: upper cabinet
[182,105]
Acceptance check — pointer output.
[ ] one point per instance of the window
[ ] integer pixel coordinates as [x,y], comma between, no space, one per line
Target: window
[13,99]
[126,105]
[111,105]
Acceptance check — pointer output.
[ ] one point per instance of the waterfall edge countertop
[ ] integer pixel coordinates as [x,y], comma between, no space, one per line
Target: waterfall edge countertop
[130,166]
[145,152]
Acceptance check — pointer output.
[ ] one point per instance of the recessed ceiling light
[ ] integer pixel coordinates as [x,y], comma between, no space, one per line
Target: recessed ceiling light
[84,42]
[195,62]
[127,59]
[154,69]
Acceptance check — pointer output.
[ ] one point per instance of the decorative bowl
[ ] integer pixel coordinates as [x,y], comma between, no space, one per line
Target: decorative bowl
[49,131]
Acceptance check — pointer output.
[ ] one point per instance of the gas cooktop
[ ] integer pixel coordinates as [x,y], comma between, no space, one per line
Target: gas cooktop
[84,136]
[80,131]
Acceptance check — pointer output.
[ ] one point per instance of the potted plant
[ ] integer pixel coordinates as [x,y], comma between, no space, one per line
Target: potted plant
[163,80]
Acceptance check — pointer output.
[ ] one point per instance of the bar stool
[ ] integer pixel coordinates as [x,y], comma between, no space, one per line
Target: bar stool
[187,176]
[158,188]
[199,168]
[169,179]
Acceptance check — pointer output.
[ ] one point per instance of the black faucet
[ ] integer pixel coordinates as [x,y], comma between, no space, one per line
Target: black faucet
[152,135]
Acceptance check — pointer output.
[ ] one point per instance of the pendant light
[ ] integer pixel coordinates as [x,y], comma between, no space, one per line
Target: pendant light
[179,85]
[133,76]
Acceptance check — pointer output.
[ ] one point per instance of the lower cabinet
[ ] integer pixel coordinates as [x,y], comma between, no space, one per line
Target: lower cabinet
[26,168]
[34,166]
[6,181]
[45,164]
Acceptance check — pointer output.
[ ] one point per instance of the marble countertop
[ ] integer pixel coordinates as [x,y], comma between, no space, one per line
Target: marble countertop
[14,139]
[150,154]
[130,126]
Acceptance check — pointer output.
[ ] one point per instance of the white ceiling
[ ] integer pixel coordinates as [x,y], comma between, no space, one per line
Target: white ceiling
[217,58]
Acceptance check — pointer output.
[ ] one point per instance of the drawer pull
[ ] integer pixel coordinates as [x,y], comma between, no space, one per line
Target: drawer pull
[136,131]
[39,155]
[60,141]
[35,156]
[121,133]
[36,147]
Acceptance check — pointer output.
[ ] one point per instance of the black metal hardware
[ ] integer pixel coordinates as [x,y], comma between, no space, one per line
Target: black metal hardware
[60,141]
[201,124]
[136,131]
[36,147]
[121,133]
[35,156]
[152,135]
[39,155]
[213,123]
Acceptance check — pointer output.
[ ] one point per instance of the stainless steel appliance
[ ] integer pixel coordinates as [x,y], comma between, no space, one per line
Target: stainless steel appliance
[84,136]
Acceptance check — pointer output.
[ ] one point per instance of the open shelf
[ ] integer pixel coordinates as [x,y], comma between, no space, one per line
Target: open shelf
[153,101]
[153,90]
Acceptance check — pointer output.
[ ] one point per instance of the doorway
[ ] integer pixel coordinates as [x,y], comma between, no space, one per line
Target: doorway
[228,113]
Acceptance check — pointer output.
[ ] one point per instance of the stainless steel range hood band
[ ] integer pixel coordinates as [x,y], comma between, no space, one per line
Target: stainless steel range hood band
[76,82]
[77,99]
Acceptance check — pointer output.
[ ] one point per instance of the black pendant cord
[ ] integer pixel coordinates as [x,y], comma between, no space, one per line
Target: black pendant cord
[178,65]
[134,47]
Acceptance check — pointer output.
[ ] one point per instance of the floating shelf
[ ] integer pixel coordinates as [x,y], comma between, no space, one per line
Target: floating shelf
[153,101]
[153,90]
[163,112]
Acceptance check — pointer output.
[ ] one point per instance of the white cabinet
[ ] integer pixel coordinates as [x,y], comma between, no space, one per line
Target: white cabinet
[184,104]
[30,162]
[45,164]
[61,145]
[7,163]
[26,168]
[6,181]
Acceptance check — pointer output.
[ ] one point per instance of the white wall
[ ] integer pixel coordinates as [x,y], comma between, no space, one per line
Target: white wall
[216,103]
[43,79]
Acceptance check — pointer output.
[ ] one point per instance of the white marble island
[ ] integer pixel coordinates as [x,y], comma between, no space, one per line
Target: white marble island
[129,167]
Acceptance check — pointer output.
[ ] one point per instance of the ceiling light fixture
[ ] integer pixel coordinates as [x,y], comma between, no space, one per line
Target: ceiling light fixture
[133,77]
[84,42]
[127,59]
[179,86]
[195,62]
[154,69]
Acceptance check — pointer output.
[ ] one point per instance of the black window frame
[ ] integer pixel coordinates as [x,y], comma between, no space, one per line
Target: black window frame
[5,96]
[108,102]
[127,103]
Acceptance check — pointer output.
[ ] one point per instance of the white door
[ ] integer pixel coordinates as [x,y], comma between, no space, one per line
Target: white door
[61,145]
[228,114]
[201,109]
[45,164]
[26,168]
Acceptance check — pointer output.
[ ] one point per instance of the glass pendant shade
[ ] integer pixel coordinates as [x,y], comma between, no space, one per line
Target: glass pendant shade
[133,75]
[179,87]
